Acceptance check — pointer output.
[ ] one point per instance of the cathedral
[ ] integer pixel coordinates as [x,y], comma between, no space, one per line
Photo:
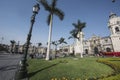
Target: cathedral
[93,45]
[98,44]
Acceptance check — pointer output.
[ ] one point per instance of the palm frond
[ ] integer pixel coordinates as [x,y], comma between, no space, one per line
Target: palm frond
[54,3]
[74,33]
[79,25]
[53,42]
[12,41]
[113,1]
[59,13]
[62,40]
[65,42]
[75,25]
[45,4]
[70,37]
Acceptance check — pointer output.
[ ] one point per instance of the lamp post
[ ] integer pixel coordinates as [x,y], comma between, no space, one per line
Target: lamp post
[22,73]
[35,11]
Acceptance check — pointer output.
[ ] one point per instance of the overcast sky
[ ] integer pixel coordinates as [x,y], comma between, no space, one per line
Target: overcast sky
[15,19]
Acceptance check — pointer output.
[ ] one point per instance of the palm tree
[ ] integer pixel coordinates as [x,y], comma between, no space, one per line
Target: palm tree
[61,41]
[39,44]
[53,10]
[74,36]
[75,33]
[12,44]
[55,43]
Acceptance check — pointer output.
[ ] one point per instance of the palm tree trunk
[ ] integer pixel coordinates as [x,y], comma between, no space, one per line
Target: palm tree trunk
[49,38]
[81,37]
[74,52]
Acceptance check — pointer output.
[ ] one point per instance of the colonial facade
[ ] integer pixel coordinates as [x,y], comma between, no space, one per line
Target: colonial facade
[97,44]
[32,49]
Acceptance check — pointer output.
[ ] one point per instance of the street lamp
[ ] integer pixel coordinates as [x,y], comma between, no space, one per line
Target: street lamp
[36,8]
[22,73]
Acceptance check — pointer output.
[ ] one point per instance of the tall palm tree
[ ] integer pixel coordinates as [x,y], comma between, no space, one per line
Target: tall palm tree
[53,10]
[75,33]
[12,44]
[78,27]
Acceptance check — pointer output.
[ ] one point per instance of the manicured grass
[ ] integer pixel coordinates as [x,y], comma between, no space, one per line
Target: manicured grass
[67,69]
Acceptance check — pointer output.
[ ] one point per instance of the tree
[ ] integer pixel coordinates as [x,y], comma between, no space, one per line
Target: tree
[53,10]
[74,36]
[39,44]
[75,33]
[55,43]
[78,27]
[12,44]
[61,41]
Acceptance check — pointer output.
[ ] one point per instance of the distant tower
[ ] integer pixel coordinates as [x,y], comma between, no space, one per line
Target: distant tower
[114,27]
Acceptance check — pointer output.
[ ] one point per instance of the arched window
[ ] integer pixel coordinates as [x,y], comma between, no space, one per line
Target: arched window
[117,29]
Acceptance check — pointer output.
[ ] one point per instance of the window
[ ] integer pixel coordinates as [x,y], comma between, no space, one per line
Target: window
[106,40]
[85,42]
[94,41]
[117,29]
[118,22]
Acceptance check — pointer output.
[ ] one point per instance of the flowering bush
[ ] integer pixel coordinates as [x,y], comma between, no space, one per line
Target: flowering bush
[111,53]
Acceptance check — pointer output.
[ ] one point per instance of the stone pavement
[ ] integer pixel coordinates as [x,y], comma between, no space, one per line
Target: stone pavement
[9,64]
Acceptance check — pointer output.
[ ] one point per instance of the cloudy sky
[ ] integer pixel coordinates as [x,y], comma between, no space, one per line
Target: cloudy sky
[15,19]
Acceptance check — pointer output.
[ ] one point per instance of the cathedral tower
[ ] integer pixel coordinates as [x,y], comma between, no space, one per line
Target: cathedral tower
[114,27]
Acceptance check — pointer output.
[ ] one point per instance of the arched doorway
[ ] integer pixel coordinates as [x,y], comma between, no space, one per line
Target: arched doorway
[96,51]
[86,51]
[108,49]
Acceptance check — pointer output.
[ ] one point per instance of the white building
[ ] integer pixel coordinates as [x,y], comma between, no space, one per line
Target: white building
[96,43]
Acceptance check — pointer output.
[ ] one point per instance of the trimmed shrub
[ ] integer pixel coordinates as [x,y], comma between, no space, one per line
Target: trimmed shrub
[113,63]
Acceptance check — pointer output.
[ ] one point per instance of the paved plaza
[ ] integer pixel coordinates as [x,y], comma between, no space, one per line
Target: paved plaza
[8,65]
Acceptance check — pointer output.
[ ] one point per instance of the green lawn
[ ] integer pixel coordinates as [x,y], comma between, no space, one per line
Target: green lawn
[67,69]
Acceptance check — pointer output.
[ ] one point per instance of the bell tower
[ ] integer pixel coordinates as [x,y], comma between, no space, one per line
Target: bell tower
[114,27]
[114,24]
